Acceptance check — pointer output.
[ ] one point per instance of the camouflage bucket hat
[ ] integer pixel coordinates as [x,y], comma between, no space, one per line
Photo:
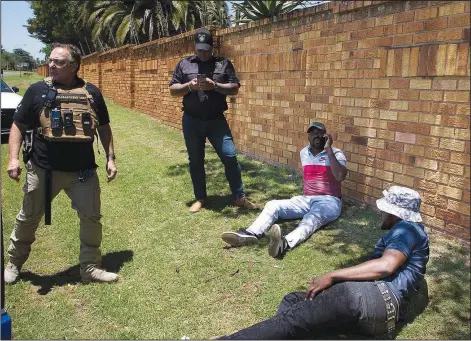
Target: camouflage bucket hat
[402,202]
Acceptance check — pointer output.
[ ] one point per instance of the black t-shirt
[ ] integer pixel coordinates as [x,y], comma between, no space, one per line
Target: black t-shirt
[58,156]
[219,69]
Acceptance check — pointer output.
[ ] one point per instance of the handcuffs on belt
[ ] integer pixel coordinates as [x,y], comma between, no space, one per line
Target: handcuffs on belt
[390,308]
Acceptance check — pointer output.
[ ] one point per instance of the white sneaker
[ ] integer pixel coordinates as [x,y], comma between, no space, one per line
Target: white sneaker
[11,273]
[95,274]
[278,245]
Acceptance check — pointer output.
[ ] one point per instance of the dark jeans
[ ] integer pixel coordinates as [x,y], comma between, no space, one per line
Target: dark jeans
[195,131]
[357,306]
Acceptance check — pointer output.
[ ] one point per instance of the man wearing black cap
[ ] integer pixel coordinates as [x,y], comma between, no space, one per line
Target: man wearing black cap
[324,169]
[204,81]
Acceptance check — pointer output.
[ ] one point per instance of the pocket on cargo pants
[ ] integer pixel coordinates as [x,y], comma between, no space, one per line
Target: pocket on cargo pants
[34,192]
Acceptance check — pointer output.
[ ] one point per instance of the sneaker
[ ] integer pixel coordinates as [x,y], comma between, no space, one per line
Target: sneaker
[197,206]
[11,273]
[243,202]
[95,274]
[239,238]
[278,245]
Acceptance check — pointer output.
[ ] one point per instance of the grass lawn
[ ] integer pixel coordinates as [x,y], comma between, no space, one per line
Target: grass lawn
[177,277]
[22,81]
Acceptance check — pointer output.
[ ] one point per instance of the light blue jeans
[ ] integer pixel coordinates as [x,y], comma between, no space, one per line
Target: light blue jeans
[316,211]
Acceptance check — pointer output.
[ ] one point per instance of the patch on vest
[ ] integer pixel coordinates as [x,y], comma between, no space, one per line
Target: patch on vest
[71,98]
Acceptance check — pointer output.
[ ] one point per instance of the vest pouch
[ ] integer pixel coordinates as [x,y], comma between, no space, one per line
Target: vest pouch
[56,119]
[68,119]
[87,122]
[71,119]
[69,124]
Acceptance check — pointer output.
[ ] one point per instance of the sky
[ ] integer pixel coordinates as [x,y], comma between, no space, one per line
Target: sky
[14,15]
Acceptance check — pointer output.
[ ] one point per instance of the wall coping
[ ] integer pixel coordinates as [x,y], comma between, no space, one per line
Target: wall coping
[91,55]
[124,47]
[171,39]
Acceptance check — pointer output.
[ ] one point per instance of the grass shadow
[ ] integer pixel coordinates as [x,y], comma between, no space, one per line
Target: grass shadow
[262,182]
[112,261]
[219,203]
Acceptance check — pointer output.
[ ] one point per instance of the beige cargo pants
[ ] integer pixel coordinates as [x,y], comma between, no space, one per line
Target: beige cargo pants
[85,198]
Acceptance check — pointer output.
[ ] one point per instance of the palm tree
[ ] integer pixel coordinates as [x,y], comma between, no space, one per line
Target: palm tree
[251,10]
[188,15]
[215,13]
[117,22]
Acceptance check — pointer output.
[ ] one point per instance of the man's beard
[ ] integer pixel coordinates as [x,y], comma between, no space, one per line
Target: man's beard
[316,144]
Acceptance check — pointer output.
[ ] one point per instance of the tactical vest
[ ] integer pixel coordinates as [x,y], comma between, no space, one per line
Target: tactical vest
[78,121]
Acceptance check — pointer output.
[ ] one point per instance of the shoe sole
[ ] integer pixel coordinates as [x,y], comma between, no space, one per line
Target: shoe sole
[234,239]
[88,281]
[275,240]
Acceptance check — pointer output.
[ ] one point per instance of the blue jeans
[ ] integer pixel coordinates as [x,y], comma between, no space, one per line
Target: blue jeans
[354,305]
[195,132]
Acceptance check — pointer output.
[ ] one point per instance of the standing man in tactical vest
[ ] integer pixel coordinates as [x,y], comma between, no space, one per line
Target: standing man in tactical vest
[204,81]
[64,112]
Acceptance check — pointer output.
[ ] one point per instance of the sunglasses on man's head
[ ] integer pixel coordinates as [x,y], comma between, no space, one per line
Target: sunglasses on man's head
[59,62]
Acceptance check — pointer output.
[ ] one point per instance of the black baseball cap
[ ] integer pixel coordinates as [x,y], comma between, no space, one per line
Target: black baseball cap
[317,125]
[203,39]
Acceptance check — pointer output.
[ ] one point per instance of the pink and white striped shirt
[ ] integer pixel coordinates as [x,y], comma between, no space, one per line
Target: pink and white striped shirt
[318,177]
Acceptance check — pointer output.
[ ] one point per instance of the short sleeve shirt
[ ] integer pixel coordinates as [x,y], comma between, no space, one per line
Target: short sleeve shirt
[318,177]
[58,156]
[412,240]
[219,69]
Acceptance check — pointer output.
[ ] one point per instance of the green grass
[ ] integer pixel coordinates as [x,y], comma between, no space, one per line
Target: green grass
[177,278]
[22,81]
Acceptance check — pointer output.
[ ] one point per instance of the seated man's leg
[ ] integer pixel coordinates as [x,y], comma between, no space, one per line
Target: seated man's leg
[293,208]
[323,210]
[342,305]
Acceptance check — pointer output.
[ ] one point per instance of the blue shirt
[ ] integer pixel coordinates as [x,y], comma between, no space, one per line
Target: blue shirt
[412,240]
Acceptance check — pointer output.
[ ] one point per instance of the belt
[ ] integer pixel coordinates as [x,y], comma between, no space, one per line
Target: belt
[390,308]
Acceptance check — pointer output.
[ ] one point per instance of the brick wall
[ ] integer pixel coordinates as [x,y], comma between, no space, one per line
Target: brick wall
[390,79]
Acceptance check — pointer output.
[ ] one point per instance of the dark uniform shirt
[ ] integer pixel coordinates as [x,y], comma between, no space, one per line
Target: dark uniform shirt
[58,156]
[219,69]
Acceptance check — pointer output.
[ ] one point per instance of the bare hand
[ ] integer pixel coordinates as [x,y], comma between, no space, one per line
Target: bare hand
[317,285]
[207,85]
[14,169]
[329,141]
[111,170]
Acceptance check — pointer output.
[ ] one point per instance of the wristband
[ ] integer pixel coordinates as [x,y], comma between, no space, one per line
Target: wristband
[216,85]
[111,156]
[191,90]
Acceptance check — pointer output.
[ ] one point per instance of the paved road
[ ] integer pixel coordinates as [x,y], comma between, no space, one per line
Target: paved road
[10,73]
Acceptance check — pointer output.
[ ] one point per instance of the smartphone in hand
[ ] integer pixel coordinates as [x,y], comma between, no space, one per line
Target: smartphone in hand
[201,78]
[324,140]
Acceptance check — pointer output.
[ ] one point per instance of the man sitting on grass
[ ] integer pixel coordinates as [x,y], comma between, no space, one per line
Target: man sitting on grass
[324,169]
[366,297]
